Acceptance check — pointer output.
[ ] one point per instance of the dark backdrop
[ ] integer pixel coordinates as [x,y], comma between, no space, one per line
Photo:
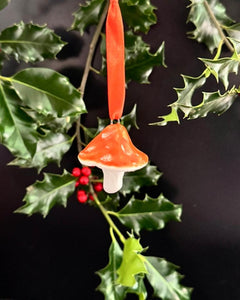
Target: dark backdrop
[56,258]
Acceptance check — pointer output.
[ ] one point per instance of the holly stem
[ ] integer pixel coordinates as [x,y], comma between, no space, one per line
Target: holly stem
[92,48]
[107,217]
[218,26]
[96,180]
[5,78]
[88,68]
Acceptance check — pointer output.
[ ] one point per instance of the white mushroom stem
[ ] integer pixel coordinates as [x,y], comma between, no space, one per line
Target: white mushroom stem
[112,180]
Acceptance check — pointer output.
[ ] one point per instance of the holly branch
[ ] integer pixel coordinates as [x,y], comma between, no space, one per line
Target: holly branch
[213,27]
[38,133]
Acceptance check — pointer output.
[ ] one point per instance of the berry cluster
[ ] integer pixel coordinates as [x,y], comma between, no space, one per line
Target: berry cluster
[84,178]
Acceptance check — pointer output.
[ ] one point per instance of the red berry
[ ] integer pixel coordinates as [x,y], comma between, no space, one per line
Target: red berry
[77,183]
[81,192]
[86,171]
[90,196]
[76,172]
[82,196]
[98,187]
[83,180]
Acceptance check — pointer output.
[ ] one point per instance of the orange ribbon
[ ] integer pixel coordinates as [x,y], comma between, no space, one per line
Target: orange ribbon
[115,61]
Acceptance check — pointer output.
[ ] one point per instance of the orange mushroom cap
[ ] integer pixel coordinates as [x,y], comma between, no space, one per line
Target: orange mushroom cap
[113,151]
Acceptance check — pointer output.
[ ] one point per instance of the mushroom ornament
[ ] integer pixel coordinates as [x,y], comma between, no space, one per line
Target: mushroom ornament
[112,149]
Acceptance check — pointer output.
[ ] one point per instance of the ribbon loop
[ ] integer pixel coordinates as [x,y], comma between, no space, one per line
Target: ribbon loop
[115,60]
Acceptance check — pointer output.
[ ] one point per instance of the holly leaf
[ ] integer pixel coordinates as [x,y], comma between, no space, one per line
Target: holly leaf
[139,62]
[87,15]
[206,31]
[42,196]
[132,263]
[50,148]
[128,121]
[233,31]
[109,202]
[138,14]
[213,102]
[30,43]
[171,117]
[3,3]
[108,275]
[184,101]
[17,129]
[149,214]
[139,289]
[221,68]
[133,181]
[54,124]
[165,280]
[52,92]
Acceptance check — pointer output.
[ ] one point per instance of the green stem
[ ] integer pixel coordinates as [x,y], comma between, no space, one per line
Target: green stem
[95,70]
[107,217]
[218,26]
[5,78]
[88,67]
[96,180]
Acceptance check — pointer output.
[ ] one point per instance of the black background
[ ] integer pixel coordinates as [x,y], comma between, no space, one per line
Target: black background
[56,257]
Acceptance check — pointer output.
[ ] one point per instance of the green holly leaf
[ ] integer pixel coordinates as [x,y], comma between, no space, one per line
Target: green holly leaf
[42,196]
[17,129]
[184,101]
[133,181]
[108,275]
[149,214]
[110,203]
[233,31]
[128,121]
[171,117]
[213,102]
[3,3]
[221,68]
[54,124]
[87,15]
[206,31]
[139,62]
[30,43]
[50,149]
[132,263]
[165,280]
[139,289]
[138,14]
[52,92]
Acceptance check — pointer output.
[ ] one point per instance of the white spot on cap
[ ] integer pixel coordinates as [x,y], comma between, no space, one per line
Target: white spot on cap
[89,149]
[107,157]
[105,135]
